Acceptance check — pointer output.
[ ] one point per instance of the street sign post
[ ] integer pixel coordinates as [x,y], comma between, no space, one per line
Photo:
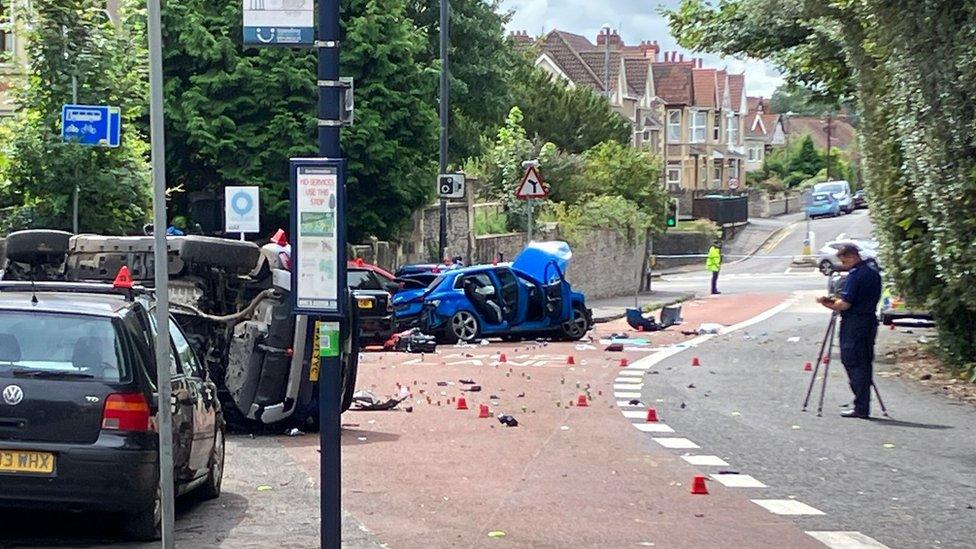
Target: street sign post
[450,185]
[531,188]
[287,23]
[92,125]
[242,212]
[317,242]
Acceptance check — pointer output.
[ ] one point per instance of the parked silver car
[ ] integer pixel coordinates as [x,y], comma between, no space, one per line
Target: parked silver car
[829,263]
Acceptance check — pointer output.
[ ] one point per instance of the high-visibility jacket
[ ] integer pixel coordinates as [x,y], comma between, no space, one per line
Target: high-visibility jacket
[714,261]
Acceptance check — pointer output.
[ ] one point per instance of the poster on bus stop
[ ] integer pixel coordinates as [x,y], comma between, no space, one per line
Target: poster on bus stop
[317,242]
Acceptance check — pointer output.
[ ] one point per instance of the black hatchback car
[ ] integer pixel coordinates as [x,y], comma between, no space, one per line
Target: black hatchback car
[78,405]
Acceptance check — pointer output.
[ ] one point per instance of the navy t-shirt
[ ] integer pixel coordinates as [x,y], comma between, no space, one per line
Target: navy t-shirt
[863,291]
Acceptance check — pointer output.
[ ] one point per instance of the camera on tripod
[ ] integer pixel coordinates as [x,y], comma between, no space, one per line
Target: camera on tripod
[835,283]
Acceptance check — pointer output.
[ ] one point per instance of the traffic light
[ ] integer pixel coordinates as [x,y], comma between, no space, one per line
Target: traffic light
[672,218]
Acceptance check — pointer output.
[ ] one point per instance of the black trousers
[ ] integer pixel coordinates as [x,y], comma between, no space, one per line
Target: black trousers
[714,282]
[857,337]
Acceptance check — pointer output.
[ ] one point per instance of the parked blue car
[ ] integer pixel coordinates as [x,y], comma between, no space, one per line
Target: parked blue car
[527,298]
[822,204]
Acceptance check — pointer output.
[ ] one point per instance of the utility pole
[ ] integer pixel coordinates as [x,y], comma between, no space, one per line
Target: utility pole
[74,101]
[606,60]
[445,113]
[330,125]
[829,124]
[161,274]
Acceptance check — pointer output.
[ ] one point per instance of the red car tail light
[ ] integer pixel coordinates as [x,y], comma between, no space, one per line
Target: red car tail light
[126,412]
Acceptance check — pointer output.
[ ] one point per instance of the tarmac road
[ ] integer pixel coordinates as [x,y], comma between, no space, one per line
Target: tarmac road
[770,269]
[906,482]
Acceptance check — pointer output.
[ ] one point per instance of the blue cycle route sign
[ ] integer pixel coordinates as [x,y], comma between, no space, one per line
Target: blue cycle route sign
[92,125]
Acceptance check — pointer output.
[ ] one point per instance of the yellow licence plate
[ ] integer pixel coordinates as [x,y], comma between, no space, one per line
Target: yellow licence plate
[18,461]
[365,303]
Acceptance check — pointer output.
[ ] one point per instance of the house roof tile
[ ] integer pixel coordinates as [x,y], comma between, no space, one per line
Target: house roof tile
[842,134]
[673,82]
[704,86]
[737,86]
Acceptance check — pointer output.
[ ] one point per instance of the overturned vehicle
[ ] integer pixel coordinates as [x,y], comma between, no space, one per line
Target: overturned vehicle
[231,298]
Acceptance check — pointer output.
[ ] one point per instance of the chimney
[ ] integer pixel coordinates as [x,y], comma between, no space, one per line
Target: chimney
[681,58]
[700,62]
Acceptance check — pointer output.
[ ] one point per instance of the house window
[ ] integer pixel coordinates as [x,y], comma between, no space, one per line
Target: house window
[759,153]
[717,128]
[654,139]
[674,126]
[699,119]
[674,174]
[6,38]
[718,173]
[732,131]
[752,154]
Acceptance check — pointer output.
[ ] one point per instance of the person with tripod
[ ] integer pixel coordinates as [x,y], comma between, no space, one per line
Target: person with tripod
[857,303]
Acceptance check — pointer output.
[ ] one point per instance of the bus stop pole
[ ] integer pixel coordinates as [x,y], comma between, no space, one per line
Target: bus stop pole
[163,378]
[330,371]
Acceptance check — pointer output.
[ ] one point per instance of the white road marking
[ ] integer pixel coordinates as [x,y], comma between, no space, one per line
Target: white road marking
[627,404]
[653,428]
[760,317]
[739,481]
[629,381]
[637,367]
[635,414]
[787,507]
[676,443]
[706,460]
[627,386]
[847,540]
[623,394]
[627,372]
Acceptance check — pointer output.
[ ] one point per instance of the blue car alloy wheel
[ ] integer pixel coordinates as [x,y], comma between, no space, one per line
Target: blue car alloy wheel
[464,326]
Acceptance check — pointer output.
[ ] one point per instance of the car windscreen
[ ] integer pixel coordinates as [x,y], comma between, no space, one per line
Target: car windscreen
[829,188]
[821,198]
[60,346]
[363,280]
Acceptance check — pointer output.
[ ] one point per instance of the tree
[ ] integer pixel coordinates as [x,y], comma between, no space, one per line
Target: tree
[807,159]
[574,119]
[799,101]
[236,116]
[480,60]
[65,38]
[910,65]
[619,170]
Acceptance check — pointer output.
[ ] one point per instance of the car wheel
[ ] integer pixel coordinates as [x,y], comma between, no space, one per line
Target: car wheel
[578,325]
[826,267]
[234,256]
[215,475]
[146,524]
[464,326]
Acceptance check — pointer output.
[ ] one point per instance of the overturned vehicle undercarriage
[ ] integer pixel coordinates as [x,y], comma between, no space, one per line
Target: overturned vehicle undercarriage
[231,298]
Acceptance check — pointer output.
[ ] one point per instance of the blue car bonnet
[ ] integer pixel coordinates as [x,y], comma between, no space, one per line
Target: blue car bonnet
[538,255]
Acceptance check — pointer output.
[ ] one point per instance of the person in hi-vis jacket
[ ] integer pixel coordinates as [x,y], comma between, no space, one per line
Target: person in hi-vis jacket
[713,263]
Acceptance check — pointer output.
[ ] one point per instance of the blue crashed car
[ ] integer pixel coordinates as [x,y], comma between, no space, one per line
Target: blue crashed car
[822,204]
[527,298]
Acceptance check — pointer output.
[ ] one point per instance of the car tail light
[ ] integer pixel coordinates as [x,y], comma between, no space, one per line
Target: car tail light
[126,412]
[285,260]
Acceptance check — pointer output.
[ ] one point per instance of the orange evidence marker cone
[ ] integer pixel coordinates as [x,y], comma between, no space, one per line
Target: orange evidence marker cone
[581,401]
[484,412]
[808,367]
[462,404]
[570,360]
[624,362]
[640,328]
[502,358]
[698,486]
[826,360]
[695,361]
[652,415]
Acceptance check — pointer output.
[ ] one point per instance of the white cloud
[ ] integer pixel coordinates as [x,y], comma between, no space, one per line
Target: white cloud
[636,20]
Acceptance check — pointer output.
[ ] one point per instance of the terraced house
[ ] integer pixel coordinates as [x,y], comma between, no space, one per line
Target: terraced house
[11,53]
[692,116]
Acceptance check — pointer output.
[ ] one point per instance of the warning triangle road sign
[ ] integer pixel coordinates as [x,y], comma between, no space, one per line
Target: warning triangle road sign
[532,186]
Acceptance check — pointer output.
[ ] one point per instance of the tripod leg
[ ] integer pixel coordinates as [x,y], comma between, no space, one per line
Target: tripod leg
[877,393]
[816,369]
[830,350]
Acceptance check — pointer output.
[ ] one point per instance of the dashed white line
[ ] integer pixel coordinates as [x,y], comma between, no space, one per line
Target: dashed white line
[627,404]
[653,428]
[629,380]
[706,460]
[738,481]
[847,540]
[635,414]
[623,394]
[627,372]
[676,443]
[787,507]
[628,387]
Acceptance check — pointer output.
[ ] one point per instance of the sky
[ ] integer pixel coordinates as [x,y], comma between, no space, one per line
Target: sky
[636,20]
